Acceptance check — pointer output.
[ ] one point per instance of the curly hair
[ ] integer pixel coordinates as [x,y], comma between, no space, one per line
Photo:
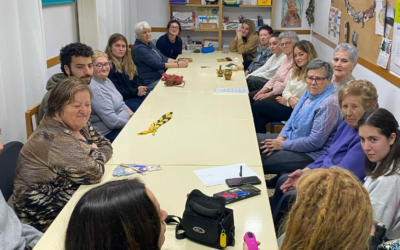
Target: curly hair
[73,49]
[362,88]
[127,65]
[332,211]
[308,48]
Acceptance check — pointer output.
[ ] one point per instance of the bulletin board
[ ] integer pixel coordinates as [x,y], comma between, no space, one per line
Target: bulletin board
[368,42]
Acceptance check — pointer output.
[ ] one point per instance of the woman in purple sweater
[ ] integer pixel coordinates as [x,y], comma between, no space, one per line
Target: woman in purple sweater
[355,97]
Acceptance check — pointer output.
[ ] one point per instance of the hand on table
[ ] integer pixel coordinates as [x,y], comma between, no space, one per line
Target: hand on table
[183,63]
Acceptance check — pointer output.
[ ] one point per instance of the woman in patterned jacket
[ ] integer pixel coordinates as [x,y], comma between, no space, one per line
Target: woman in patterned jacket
[63,153]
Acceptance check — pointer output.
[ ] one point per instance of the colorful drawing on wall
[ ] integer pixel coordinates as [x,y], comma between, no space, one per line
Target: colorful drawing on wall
[360,16]
[334,24]
[291,13]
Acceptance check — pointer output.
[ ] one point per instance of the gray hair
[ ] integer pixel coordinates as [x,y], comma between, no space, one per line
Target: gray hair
[139,27]
[319,63]
[351,49]
[289,34]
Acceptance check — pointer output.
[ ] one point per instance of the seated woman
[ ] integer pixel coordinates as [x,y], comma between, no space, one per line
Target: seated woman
[355,97]
[117,215]
[170,44]
[310,128]
[344,61]
[380,140]
[260,76]
[263,52]
[150,61]
[275,86]
[333,211]
[63,153]
[109,112]
[246,42]
[281,108]
[123,73]
[14,234]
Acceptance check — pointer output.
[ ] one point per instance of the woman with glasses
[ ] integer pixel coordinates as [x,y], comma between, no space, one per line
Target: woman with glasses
[170,44]
[109,112]
[311,127]
[150,61]
[275,86]
[281,108]
[123,72]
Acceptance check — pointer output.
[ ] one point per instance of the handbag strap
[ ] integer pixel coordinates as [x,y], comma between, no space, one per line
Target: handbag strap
[170,220]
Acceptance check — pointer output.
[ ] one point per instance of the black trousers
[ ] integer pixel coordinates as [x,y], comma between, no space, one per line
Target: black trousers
[268,111]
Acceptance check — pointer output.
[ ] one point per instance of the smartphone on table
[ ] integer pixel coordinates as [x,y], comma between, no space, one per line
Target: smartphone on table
[240,181]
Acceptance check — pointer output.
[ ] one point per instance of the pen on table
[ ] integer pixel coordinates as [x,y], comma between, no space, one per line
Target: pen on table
[240,173]
[126,166]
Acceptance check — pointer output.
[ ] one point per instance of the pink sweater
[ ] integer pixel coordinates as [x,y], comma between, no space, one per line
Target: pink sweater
[278,82]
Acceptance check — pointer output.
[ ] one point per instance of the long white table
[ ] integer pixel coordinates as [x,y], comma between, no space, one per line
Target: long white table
[207,130]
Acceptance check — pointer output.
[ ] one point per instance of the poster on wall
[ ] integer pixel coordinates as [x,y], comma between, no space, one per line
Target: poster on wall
[291,13]
[334,25]
[395,55]
[380,10]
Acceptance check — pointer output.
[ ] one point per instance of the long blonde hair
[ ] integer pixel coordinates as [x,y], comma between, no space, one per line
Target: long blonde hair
[332,211]
[252,27]
[127,64]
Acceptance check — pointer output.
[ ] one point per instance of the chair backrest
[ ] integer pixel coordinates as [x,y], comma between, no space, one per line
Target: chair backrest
[28,119]
[8,163]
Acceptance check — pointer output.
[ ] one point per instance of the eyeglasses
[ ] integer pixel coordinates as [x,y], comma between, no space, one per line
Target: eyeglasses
[285,44]
[174,27]
[100,66]
[318,80]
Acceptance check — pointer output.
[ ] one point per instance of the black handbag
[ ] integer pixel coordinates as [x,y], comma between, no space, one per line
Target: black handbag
[205,220]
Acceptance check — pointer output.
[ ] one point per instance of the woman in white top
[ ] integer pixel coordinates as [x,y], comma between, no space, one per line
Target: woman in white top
[281,108]
[379,135]
[257,79]
[109,111]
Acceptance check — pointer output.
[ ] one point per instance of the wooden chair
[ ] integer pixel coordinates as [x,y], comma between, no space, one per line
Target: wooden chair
[276,127]
[28,119]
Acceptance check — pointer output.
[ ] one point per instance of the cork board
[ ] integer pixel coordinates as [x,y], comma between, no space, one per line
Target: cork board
[368,43]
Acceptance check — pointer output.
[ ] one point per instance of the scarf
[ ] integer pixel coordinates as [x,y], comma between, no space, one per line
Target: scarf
[301,121]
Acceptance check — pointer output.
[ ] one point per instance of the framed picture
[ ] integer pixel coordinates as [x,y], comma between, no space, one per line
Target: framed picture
[54,2]
[211,43]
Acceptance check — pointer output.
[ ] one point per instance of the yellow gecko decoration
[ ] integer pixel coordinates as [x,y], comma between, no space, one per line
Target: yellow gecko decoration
[155,125]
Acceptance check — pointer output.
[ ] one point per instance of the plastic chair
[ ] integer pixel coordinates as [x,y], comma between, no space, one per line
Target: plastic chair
[28,119]
[8,163]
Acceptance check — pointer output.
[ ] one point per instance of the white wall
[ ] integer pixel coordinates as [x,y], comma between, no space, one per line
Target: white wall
[388,93]
[60,29]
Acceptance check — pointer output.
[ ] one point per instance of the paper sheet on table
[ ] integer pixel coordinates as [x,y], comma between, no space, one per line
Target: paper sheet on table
[231,90]
[218,175]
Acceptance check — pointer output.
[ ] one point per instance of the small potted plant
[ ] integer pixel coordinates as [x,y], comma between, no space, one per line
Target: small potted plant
[228,74]
[220,72]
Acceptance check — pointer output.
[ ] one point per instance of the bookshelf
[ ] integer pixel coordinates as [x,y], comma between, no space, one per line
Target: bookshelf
[222,9]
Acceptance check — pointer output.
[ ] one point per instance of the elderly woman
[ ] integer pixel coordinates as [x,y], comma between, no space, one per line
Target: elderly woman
[246,42]
[63,153]
[151,63]
[355,97]
[123,73]
[310,128]
[344,61]
[263,52]
[109,112]
[275,86]
[281,108]
[170,44]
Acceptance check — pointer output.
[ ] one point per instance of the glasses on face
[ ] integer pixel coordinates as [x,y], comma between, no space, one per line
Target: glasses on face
[285,44]
[318,80]
[101,66]
[174,27]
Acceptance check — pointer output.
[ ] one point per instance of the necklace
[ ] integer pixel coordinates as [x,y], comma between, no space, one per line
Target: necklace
[360,16]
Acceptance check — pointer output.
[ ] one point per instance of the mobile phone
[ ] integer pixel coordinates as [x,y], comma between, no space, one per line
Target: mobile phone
[235,182]
[238,193]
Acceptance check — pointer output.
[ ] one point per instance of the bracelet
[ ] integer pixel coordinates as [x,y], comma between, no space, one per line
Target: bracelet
[177,64]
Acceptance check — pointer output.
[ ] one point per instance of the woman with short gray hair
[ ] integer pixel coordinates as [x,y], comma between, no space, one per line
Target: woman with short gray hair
[311,127]
[344,61]
[150,62]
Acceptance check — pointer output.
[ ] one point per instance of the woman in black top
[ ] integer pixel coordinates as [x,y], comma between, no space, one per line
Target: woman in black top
[170,44]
